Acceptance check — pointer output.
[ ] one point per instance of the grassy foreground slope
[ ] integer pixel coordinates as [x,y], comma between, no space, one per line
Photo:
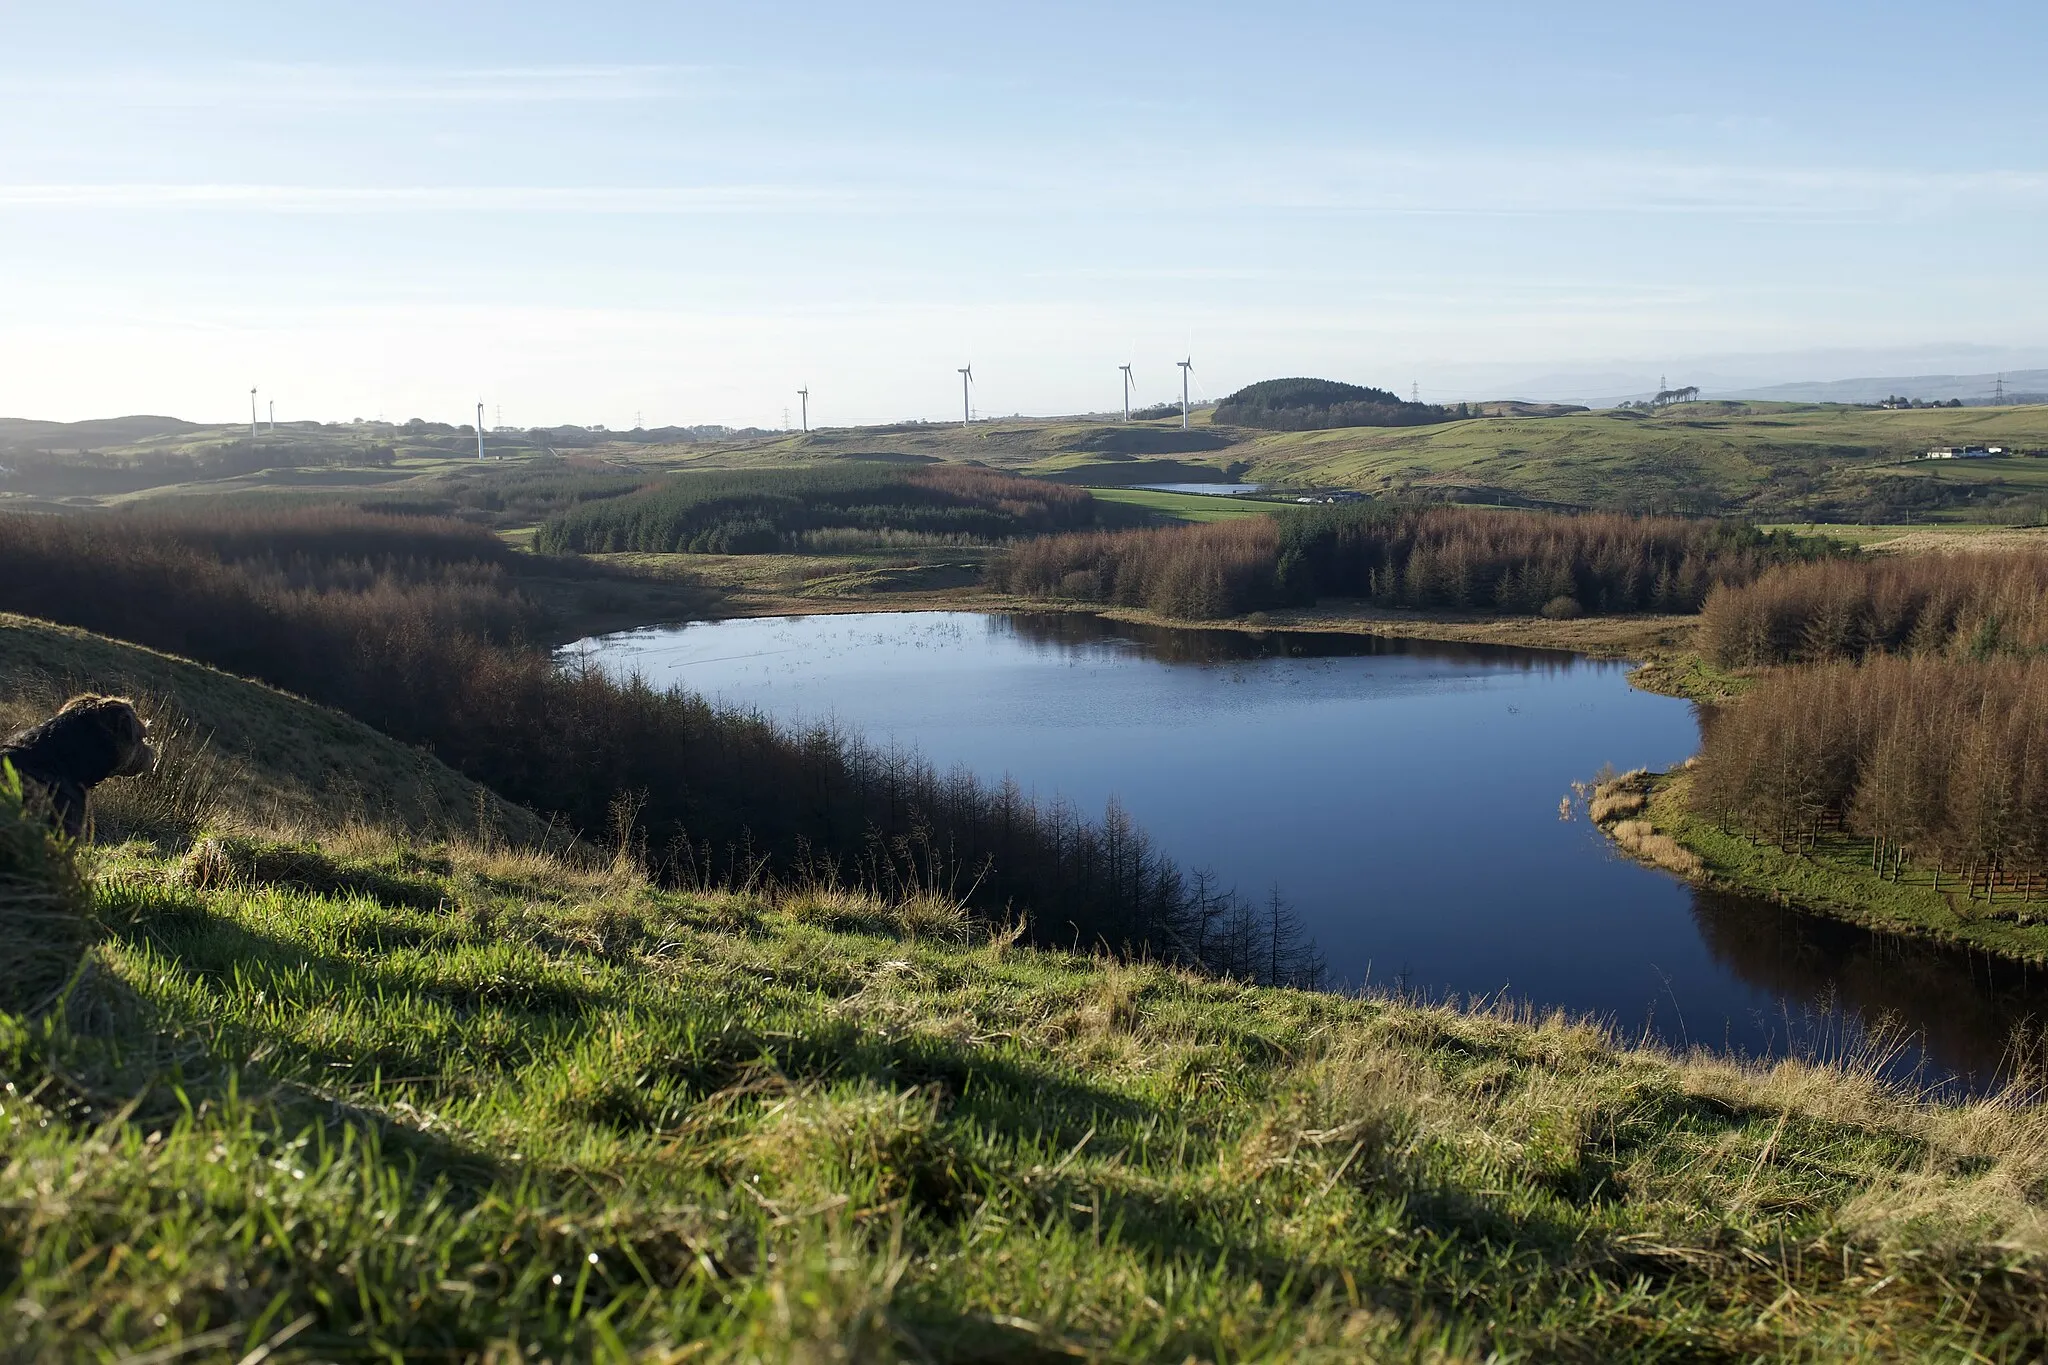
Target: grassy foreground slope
[263,754]
[355,1093]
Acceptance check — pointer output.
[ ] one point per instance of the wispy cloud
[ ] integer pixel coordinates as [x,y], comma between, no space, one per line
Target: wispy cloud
[593,199]
[1347,180]
[1361,184]
[270,83]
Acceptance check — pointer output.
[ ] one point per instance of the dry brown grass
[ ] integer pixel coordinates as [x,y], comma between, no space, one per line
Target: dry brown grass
[924,916]
[1640,839]
[1608,807]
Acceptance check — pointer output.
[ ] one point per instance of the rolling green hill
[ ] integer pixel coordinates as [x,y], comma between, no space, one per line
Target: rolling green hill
[1774,461]
[1779,460]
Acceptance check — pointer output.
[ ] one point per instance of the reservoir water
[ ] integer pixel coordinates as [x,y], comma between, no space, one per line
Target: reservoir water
[1403,795]
[1221,490]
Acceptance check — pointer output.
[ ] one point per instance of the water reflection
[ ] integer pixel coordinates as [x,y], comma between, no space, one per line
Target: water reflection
[1068,630]
[1841,984]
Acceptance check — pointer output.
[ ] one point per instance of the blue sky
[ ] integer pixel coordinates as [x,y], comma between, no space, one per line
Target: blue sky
[681,212]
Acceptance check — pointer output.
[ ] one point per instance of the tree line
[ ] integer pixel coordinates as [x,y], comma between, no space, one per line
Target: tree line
[1953,606]
[769,510]
[1457,558]
[1322,404]
[419,627]
[1934,760]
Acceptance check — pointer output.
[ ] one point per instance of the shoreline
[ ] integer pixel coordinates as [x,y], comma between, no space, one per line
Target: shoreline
[1832,880]
[1827,881]
[736,587]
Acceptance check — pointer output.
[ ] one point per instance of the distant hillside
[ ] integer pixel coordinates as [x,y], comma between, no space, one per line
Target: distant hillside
[20,433]
[1321,405]
[1777,462]
[2021,386]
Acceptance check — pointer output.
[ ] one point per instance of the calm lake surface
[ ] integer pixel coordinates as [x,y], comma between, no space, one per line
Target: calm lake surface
[1403,795]
[1221,490]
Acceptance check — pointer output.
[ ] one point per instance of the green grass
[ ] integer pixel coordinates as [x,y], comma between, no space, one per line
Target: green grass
[542,1107]
[1712,456]
[1685,674]
[1188,506]
[1835,878]
[350,1092]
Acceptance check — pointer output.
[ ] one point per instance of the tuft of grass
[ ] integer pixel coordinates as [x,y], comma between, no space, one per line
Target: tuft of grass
[924,915]
[1641,840]
[1619,797]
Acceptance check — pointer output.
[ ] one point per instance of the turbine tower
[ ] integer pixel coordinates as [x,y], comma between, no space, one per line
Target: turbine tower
[966,404]
[1127,391]
[252,412]
[479,428]
[1186,368]
[273,417]
[804,393]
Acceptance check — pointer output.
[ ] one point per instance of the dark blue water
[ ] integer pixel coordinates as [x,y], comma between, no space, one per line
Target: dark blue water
[1404,796]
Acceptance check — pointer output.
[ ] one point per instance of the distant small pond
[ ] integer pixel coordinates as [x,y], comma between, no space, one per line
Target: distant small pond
[1403,795]
[1220,490]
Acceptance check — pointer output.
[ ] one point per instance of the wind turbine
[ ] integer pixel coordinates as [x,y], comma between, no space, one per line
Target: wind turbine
[966,406]
[479,428]
[252,412]
[273,416]
[1127,391]
[1186,368]
[805,394]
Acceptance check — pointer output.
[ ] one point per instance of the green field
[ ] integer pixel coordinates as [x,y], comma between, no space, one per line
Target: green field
[1695,457]
[374,1085]
[1189,506]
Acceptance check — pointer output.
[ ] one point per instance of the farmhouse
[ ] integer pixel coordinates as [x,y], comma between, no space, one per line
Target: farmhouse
[1964,453]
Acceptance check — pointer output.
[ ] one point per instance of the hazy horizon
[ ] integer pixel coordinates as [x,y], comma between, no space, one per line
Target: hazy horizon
[687,215]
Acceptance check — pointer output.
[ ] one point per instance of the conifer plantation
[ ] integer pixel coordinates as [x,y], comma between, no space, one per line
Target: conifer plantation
[1455,558]
[1941,762]
[1960,606]
[419,626]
